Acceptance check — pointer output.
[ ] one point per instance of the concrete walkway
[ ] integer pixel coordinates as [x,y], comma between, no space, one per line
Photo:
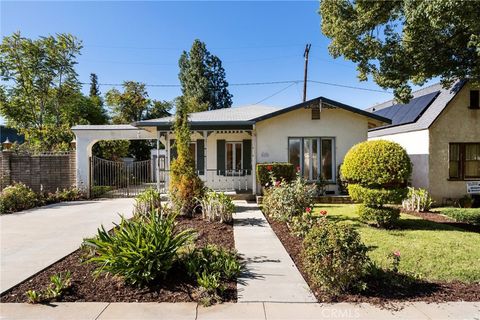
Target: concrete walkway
[33,239]
[271,275]
[250,311]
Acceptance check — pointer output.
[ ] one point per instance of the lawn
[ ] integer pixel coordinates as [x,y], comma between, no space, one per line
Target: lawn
[430,250]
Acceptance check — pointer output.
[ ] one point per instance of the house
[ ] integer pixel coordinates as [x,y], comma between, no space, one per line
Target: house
[228,143]
[440,129]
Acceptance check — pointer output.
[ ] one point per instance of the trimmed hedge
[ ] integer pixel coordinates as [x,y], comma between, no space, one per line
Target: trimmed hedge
[376,197]
[467,215]
[377,163]
[280,170]
[380,216]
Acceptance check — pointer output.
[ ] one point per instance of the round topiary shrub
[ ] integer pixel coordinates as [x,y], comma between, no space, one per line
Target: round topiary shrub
[335,258]
[379,216]
[377,173]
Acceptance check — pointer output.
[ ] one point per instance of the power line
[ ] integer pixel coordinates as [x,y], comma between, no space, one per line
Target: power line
[241,84]
[274,94]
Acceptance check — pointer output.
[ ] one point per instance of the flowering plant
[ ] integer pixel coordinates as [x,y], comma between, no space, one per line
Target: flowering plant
[395,256]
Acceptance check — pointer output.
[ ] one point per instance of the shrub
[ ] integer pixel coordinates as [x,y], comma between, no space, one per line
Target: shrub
[379,216]
[280,170]
[216,206]
[209,266]
[287,199]
[147,201]
[17,197]
[139,250]
[341,182]
[466,201]
[98,191]
[418,200]
[71,194]
[467,215]
[335,258]
[300,225]
[185,186]
[377,173]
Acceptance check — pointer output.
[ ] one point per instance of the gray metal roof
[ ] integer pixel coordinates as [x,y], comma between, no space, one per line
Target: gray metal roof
[425,118]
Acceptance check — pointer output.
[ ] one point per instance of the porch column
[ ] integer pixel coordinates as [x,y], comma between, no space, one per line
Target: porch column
[157,164]
[254,161]
[205,152]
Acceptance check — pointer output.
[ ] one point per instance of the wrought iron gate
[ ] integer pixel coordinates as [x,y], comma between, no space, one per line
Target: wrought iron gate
[119,179]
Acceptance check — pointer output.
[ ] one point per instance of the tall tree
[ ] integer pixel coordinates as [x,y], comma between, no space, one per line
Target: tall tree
[131,104]
[202,78]
[405,41]
[94,87]
[41,78]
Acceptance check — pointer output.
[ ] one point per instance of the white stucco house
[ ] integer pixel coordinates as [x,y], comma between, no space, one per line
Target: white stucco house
[440,129]
[228,143]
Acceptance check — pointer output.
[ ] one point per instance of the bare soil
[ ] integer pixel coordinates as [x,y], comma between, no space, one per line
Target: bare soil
[176,287]
[381,290]
[436,217]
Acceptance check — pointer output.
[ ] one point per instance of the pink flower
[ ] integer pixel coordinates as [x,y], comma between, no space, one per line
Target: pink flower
[323,213]
[396,253]
[269,167]
[298,168]
[277,183]
[308,210]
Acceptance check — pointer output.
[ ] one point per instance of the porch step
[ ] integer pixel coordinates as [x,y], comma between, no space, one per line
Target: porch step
[241,196]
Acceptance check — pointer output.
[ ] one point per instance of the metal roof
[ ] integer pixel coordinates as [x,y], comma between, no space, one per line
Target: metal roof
[425,118]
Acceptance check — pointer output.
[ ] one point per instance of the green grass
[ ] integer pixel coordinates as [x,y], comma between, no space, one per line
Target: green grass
[468,215]
[430,250]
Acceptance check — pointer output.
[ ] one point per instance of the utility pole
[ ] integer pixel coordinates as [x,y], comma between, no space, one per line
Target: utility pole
[305,55]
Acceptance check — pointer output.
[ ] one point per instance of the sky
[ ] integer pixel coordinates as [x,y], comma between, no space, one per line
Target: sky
[261,41]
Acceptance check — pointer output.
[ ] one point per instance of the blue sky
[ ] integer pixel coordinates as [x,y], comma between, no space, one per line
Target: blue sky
[142,41]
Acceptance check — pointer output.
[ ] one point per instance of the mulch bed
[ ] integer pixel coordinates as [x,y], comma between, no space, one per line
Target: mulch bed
[439,218]
[175,288]
[378,292]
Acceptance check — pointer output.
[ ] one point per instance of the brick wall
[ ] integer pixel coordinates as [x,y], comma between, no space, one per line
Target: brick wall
[47,171]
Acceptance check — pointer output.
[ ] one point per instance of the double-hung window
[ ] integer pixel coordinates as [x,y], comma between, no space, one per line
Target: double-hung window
[234,161]
[313,157]
[464,161]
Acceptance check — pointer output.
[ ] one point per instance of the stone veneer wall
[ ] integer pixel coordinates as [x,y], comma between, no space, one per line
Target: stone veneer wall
[47,172]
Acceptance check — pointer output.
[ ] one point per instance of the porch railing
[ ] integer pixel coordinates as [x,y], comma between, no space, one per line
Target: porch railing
[226,180]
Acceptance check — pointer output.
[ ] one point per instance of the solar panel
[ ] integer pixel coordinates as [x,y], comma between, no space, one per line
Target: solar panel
[410,112]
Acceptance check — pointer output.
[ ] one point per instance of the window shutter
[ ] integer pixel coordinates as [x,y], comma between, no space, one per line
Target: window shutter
[173,150]
[247,156]
[221,157]
[201,156]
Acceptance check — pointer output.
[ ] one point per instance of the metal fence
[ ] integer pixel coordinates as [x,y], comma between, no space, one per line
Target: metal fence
[115,179]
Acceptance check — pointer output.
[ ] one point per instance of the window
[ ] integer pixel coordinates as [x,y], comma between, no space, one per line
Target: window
[313,157]
[474,99]
[464,161]
[234,157]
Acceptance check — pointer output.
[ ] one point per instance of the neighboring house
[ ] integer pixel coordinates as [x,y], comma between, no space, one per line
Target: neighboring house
[11,134]
[440,129]
[228,143]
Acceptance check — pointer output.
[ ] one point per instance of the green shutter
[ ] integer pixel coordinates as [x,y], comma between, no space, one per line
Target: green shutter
[201,156]
[221,157]
[247,156]
[173,150]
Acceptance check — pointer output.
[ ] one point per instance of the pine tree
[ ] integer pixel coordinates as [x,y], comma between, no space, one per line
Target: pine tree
[94,88]
[202,78]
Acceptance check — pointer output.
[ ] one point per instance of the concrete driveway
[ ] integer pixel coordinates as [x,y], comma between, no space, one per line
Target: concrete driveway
[33,239]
